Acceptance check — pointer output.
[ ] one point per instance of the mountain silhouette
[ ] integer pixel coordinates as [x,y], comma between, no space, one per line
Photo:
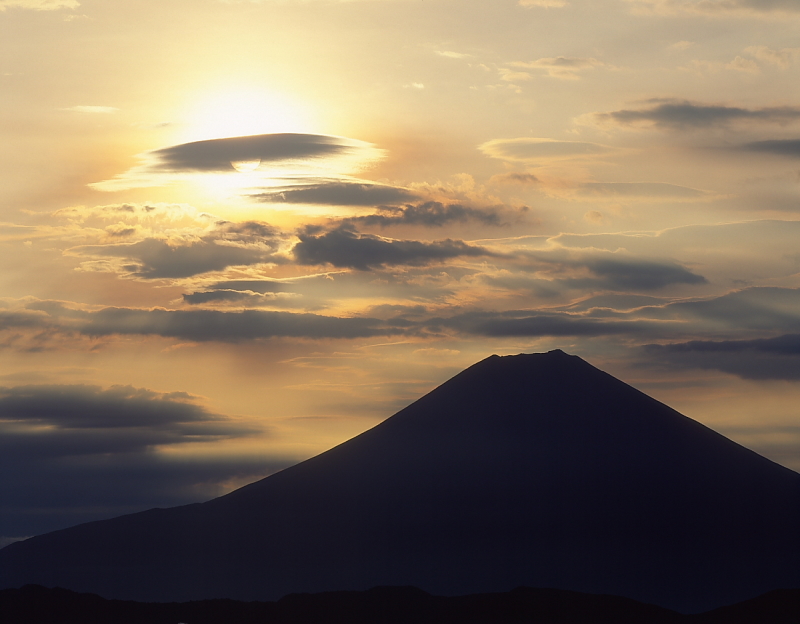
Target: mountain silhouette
[536,470]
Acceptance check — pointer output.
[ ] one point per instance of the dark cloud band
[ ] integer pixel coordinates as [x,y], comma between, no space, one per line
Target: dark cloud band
[429,214]
[763,358]
[779,147]
[218,154]
[344,247]
[677,114]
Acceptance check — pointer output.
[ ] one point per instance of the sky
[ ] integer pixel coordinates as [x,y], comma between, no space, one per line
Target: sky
[234,234]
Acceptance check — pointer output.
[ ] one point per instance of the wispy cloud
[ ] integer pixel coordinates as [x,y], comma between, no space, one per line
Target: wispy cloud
[563,67]
[92,110]
[451,54]
[337,193]
[718,8]
[534,149]
[783,58]
[653,190]
[39,5]
[545,4]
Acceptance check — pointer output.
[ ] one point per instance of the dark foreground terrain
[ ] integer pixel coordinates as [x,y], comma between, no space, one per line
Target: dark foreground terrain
[533,470]
[34,604]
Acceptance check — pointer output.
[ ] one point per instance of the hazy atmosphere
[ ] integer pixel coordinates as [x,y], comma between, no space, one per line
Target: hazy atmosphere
[236,233]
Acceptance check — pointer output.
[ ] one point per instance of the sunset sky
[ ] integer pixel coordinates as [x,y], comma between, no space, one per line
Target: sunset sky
[236,233]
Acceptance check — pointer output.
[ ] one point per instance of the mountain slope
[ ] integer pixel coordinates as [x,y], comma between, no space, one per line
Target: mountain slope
[535,470]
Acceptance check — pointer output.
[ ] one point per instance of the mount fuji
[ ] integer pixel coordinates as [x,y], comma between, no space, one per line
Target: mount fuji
[536,470]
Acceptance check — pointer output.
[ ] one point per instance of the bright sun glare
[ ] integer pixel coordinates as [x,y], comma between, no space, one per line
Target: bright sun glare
[244,111]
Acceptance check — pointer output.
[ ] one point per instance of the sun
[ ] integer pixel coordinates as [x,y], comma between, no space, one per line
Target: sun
[241,111]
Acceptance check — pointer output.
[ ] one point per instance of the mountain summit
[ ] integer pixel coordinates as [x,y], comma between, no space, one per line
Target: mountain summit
[535,470]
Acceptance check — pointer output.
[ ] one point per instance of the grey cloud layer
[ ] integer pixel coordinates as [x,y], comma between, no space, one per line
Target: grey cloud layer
[217,154]
[158,259]
[80,453]
[526,149]
[231,244]
[721,7]
[526,323]
[612,270]
[677,114]
[206,325]
[194,325]
[779,147]
[130,419]
[344,247]
[760,313]
[293,152]
[339,194]
[640,189]
[763,358]
[429,214]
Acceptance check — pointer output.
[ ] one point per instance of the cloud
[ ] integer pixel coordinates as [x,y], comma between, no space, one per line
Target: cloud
[80,453]
[321,290]
[217,155]
[39,5]
[649,319]
[641,274]
[546,4]
[339,194]
[739,63]
[782,58]
[21,319]
[230,244]
[779,147]
[742,64]
[428,214]
[92,110]
[563,67]
[639,189]
[192,325]
[214,325]
[251,293]
[610,270]
[527,323]
[758,309]
[233,155]
[345,247]
[452,55]
[764,358]
[719,8]
[235,297]
[160,418]
[258,286]
[684,115]
[515,177]
[531,149]
[157,259]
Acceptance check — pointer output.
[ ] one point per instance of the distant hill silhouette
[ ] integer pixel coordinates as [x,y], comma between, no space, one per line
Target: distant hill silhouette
[34,604]
[536,470]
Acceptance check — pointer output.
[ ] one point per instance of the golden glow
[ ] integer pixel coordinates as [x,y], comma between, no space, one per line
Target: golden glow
[240,111]
[245,166]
